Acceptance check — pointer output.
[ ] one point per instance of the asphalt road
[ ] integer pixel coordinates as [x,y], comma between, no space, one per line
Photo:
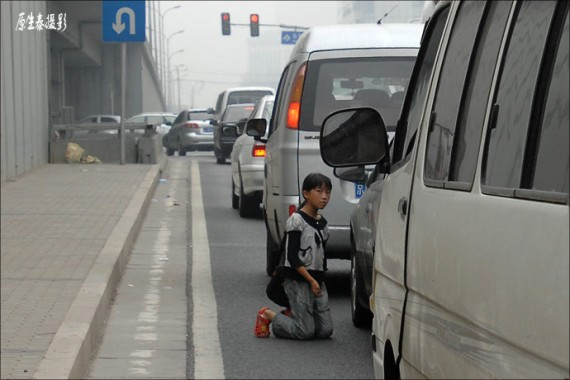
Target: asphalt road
[237,252]
[186,304]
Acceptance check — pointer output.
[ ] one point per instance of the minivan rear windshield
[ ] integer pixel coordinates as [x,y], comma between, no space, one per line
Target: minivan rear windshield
[199,116]
[235,114]
[240,97]
[334,84]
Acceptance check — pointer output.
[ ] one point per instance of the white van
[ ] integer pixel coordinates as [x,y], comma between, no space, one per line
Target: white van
[330,68]
[471,266]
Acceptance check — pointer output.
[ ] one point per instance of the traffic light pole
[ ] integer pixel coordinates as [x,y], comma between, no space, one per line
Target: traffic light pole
[295,27]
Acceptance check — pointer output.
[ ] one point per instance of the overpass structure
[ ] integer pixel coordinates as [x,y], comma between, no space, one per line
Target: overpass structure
[60,73]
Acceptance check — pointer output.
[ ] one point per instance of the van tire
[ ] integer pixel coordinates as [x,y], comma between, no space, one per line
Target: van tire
[247,204]
[220,159]
[391,370]
[361,316]
[235,198]
[271,252]
[170,152]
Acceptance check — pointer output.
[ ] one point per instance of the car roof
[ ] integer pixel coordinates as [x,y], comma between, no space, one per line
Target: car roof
[233,89]
[267,98]
[359,36]
[240,105]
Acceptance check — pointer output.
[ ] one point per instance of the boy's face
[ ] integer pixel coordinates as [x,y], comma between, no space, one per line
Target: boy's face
[318,197]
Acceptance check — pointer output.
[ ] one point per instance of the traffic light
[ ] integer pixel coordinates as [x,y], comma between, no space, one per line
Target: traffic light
[254,24]
[226,27]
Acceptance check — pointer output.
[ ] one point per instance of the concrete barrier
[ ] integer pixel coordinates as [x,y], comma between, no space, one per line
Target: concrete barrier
[139,148]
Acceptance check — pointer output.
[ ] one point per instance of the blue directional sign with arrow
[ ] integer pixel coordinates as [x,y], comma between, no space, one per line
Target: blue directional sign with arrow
[124,21]
[289,37]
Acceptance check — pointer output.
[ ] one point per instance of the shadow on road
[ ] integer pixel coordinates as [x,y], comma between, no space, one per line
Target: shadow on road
[338,282]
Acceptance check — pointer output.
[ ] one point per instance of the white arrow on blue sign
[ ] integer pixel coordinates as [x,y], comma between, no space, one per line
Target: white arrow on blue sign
[124,21]
[290,38]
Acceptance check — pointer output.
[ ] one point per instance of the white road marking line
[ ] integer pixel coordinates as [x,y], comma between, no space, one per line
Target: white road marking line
[208,361]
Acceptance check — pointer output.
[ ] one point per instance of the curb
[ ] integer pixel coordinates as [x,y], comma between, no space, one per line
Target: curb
[69,354]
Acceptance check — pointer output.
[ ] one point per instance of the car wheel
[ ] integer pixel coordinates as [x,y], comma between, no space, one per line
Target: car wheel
[220,160]
[247,204]
[361,316]
[170,152]
[235,198]
[272,254]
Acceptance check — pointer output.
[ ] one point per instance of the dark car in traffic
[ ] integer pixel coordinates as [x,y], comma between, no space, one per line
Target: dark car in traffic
[229,129]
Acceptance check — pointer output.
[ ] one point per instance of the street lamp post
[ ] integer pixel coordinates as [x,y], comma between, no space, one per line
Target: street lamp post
[162,53]
[170,77]
[169,95]
[178,71]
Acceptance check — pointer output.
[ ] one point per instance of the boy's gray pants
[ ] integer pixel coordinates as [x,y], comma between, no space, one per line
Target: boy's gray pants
[311,315]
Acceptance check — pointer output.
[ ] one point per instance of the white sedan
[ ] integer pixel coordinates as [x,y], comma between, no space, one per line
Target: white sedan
[162,120]
[248,160]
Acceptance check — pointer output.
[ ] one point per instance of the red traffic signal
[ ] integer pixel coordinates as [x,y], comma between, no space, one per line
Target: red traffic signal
[254,24]
[226,26]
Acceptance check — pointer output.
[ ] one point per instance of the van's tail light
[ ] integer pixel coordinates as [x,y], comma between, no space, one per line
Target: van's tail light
[292,209]
[258,151]
[191,125]
[294,109]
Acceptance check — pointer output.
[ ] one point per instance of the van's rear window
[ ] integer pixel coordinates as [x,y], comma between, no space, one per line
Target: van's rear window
[199,116]
[334,84]
[240,97]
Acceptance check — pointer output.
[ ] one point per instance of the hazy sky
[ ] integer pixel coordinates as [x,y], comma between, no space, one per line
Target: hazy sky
[221,61]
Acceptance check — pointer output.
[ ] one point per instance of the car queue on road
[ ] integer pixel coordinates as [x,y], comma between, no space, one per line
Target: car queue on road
[457,230]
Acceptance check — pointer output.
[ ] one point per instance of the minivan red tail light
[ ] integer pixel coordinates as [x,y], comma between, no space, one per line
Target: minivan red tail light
[294,109]
[258,151]
[191,125]
[292,209]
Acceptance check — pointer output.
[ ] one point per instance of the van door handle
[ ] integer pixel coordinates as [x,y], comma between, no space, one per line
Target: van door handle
[403,206]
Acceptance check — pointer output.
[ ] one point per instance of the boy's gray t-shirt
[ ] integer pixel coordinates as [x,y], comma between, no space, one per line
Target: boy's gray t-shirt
[314,234]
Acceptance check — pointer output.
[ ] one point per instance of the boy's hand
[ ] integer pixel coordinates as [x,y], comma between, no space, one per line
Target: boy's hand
[315,288]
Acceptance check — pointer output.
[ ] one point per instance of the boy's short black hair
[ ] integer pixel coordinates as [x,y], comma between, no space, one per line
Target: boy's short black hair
[314,180]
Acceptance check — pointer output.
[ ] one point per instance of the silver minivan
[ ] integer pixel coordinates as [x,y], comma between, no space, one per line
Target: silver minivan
[330,68]
[471,261]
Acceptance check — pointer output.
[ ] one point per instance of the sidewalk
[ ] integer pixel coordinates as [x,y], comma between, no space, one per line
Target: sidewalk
[66,231]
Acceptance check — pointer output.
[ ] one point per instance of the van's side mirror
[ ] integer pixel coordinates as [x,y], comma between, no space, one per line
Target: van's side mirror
[256,128]
[354,137]
[356,174]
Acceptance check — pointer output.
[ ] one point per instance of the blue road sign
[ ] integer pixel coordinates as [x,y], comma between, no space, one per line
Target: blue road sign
[289,38]
[124,21]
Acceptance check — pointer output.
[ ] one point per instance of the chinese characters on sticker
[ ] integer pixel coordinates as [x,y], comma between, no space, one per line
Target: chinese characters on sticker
[40,23]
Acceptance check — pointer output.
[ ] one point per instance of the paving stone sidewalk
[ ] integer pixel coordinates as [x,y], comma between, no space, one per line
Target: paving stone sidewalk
[55,221]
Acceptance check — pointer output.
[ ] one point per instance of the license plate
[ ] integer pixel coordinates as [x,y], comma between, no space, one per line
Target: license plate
[208,129]
[359,189]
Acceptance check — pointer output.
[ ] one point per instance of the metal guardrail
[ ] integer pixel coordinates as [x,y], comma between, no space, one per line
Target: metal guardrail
[68,129]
